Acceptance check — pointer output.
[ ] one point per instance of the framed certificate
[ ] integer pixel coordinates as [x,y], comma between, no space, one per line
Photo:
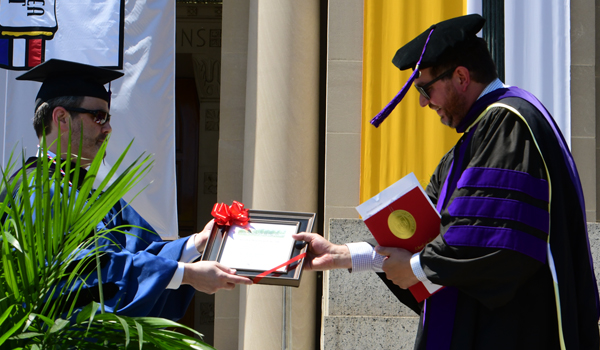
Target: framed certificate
[261,245]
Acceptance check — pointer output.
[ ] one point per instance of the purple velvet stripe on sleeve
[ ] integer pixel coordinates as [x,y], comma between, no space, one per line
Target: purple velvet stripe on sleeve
[497,237]
[505,179]
[480,105]
[500,208]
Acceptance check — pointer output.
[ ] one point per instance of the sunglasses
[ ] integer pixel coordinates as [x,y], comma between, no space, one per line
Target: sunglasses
[423,90]
[100,117]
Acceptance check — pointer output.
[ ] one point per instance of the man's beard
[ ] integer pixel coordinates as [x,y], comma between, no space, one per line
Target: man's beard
[455,109]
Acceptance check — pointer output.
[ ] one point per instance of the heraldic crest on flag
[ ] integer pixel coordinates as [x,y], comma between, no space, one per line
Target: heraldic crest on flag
[86,31]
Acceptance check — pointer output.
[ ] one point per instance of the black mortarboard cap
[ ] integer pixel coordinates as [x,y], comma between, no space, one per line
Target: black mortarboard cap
[447,34]
[426,49]
[64,78]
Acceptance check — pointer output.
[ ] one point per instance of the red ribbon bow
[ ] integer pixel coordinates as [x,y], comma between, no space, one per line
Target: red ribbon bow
[230,215]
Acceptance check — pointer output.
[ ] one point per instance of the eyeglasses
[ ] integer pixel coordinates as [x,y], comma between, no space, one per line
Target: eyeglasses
[424,89]
[100,117]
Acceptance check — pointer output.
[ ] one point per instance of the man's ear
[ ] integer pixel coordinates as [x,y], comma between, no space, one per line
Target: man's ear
[61,118]
[464,77]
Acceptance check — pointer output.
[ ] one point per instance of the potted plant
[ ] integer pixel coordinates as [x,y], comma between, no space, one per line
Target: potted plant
[42,241]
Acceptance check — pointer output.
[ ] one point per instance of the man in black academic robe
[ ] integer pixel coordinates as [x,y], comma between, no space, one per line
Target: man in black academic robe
[513,252]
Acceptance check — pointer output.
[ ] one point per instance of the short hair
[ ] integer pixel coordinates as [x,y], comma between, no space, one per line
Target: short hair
[473,55]
[42,121]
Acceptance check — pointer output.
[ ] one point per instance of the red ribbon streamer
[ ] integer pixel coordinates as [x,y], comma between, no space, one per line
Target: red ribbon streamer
[266,273]
[230,215]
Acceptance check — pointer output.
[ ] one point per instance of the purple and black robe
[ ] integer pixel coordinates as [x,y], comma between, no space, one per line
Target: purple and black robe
[513,249]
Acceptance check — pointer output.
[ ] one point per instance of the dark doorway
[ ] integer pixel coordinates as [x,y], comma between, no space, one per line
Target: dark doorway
[197,98]
[186,165]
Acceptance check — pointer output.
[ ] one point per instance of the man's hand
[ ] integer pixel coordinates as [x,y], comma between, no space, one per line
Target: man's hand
[397,266]
[210,276]
[201,238]
[323,255]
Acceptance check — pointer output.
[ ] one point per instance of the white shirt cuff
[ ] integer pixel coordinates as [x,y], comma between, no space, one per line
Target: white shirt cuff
[415,264]
[364,257]
[190,253]
[177,277]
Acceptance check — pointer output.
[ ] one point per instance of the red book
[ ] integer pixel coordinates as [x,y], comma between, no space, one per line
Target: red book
[403,216]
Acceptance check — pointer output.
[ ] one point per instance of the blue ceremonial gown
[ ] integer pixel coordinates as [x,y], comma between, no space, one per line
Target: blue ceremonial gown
[142,266]
[136,268]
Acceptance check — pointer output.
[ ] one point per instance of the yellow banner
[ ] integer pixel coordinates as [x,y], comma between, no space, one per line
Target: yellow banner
[411,139]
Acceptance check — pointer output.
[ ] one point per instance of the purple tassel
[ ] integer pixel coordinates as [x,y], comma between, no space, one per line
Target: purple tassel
[380,117]
[385,112]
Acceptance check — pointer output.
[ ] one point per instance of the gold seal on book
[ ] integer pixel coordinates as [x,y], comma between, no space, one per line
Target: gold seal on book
[402,224]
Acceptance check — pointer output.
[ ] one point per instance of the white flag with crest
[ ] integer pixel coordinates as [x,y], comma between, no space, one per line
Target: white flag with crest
[135,36]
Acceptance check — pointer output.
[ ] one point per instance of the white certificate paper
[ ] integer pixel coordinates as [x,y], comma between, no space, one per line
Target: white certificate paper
[259,246]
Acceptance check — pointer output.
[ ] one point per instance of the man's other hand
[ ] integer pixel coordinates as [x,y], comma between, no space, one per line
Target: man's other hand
[210,276]
[397,266]
[201,238]
[322,254]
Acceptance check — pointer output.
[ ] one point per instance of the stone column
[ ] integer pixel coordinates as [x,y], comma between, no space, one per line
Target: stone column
[234,50]
[281,156]
[585,101]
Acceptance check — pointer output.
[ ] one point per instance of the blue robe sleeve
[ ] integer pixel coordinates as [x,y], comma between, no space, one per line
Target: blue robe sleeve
[141,265]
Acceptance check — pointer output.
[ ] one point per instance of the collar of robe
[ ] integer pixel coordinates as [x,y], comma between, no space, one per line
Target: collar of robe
[32,162]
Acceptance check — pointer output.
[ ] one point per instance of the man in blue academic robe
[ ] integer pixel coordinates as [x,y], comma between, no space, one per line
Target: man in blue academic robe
[141,274]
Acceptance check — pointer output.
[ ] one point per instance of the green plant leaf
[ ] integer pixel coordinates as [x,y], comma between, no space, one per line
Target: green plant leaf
[14,327]
[59,325]
[5,314]
[87,313]
[140,330]
[125,330]
[27,335]
[12,241]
